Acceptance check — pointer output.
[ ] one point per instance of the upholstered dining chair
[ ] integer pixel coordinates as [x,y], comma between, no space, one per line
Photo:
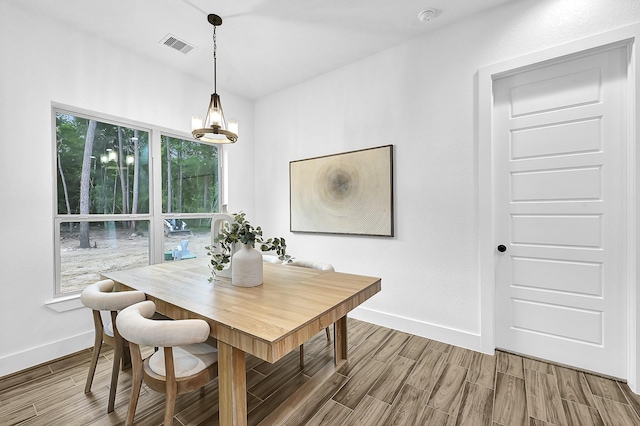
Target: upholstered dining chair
[101,297]
[312,265]
[183,364]
[270,258]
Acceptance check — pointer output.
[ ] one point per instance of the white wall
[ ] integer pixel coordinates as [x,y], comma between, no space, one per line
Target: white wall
[421,97]
[42,62]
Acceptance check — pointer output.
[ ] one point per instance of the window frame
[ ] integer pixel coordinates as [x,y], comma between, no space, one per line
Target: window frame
[155,217]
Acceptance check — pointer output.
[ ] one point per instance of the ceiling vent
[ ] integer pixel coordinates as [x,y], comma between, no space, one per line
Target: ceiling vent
[175,43]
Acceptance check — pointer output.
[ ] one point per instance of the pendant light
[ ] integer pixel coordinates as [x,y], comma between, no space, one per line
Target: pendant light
[214,129]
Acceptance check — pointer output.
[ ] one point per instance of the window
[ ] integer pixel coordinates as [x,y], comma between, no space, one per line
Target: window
[190,194]
[189,176]
[105,217]
[111,248]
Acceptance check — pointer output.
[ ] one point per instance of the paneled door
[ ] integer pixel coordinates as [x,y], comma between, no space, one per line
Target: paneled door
[559,145]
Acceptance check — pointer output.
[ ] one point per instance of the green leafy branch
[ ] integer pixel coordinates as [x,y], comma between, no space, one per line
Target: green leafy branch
[241,231]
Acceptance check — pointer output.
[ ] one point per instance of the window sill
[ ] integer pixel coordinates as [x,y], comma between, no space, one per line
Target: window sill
[65,303]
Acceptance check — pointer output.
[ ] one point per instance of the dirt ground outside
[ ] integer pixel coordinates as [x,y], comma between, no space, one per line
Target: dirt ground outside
[114,250]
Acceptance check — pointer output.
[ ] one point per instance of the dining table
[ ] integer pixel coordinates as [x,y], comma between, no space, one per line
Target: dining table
[267,321]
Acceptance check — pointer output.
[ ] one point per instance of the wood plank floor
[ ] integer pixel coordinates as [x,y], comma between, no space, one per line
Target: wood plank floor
[391,378]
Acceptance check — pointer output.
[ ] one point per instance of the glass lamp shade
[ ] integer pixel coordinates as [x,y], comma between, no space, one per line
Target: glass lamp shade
[196,122]
[233,126]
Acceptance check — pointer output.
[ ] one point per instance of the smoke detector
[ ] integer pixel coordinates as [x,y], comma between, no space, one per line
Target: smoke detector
[426,15]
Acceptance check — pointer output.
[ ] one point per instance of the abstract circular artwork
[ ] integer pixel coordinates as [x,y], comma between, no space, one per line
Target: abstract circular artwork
[347,193]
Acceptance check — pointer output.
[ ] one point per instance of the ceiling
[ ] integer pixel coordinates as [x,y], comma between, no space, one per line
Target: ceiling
[263,45]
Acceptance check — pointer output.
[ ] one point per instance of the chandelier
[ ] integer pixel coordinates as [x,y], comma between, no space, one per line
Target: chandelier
[214,129]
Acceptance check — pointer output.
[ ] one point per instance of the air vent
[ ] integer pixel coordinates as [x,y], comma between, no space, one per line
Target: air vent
[175,43]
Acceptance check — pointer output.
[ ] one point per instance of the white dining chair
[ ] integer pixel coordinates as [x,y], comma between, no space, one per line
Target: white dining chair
[270,258]
[311,265]
[183,364]
[101,297]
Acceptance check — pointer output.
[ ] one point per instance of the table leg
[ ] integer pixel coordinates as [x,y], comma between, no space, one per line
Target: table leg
[340,339]
[232,387]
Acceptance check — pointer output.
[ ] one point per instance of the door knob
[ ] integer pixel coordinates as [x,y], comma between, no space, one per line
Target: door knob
[502,248]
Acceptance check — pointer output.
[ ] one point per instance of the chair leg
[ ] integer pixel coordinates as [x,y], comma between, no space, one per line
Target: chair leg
[328,334]
[136,384]
[302,356]
[117,357]
[171,387]
[126,356]
[97,345]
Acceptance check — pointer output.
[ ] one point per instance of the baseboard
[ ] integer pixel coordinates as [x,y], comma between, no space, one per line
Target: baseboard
[19,361]
[440,333]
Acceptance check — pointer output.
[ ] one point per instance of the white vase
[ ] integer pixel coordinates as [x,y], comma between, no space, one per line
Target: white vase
[246,267]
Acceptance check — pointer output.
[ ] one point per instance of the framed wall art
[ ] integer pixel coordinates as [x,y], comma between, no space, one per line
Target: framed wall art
[346,193]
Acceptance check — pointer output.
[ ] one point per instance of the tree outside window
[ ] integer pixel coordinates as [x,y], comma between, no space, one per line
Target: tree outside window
[104,214]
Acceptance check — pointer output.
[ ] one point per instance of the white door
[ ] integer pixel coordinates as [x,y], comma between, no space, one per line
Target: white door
[560,192]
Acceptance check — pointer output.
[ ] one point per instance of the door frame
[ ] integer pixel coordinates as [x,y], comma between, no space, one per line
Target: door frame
[629,36]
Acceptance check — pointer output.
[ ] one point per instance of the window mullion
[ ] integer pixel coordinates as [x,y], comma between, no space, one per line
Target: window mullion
[157,222]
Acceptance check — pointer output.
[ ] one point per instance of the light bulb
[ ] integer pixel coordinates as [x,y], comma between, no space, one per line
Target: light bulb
[215,116]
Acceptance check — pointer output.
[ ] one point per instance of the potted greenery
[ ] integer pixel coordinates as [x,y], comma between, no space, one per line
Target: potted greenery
[237,240]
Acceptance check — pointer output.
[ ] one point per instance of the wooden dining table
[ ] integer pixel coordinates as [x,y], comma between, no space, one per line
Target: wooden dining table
[267,321]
